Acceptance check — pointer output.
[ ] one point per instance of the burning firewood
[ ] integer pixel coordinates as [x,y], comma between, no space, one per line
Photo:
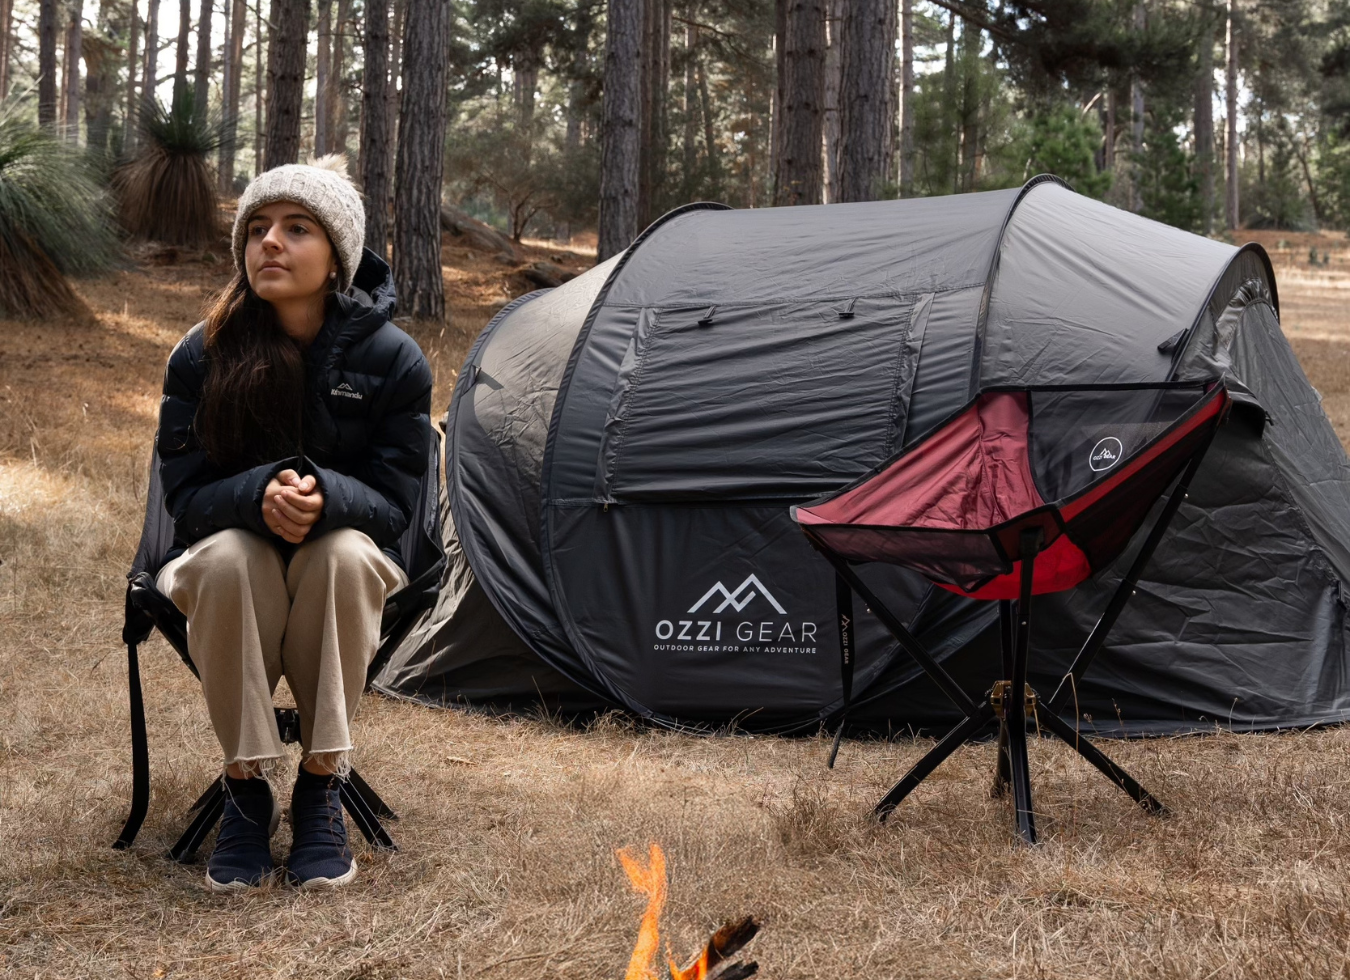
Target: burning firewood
[713,962]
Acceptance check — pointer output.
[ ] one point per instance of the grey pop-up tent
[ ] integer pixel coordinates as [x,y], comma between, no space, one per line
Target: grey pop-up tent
[623,451]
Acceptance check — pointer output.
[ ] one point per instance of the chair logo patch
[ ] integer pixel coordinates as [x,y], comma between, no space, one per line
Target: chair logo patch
[1105,454]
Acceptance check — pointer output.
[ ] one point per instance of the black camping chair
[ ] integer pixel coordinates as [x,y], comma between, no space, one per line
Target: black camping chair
[147,609]
[1023,492]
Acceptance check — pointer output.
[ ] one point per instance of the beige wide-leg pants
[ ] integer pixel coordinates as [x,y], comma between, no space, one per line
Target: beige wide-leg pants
[252,618]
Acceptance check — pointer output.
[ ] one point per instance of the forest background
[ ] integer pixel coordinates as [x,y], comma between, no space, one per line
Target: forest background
[556,117]
[557,120]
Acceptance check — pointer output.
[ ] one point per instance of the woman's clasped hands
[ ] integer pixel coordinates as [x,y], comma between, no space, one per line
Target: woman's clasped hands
[291,505]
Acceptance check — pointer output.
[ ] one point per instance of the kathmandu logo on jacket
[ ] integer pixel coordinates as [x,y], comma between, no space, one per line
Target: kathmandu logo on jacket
[345,390]
[735,599]
[1105,454]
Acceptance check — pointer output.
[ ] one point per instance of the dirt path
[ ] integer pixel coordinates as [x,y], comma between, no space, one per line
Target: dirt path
[509,826]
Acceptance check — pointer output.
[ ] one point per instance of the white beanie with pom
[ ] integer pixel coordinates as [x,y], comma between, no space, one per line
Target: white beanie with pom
[322,187]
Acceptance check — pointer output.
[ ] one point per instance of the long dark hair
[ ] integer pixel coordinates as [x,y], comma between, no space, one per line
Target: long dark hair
[252,403]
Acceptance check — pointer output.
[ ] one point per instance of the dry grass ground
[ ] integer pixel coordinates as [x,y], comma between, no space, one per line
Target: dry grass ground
[509,826]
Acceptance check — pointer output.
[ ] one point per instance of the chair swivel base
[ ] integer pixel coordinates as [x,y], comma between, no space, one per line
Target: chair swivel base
[1011,772]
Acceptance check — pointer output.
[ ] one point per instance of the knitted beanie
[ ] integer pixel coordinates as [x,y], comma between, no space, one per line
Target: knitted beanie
[322,187]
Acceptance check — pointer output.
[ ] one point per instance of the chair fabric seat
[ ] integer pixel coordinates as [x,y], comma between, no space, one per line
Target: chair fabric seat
[1083,464]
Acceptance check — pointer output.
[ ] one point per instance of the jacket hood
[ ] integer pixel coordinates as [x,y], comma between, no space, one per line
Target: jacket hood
[359,312]
[372,291]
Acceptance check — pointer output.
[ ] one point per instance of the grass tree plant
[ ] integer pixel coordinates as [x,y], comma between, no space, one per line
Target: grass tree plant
[167,192]
[54,218]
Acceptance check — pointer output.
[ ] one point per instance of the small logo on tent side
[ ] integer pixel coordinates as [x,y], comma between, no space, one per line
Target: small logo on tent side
[1105,454]
[735,600]
[345,390]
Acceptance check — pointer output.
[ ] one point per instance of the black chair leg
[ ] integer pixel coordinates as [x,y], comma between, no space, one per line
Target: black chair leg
[211,792]
[1002,770]
[1021,780]
[1015,708]
[920,771]
[364,817]
[373,801]
[208,808]
[140,755]
[1061,728]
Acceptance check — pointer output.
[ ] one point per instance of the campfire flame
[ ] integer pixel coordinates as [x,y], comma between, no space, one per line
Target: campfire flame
[649,881]
[713,961]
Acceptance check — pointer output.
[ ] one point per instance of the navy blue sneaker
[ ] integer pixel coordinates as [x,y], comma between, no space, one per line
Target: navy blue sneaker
[243,856]
[320,856]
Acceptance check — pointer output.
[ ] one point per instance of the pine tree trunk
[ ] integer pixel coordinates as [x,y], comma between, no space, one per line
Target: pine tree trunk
[419,169]
[375,135]
[47,90]
[6,43]
[100,82]
[1137,122]
[776,97]
[620,127]
[395,92]
[801,68]
[322,64]
[227,72]
[834,28]
[180,65]
[129,128]
[286,80]
[234,70]
[660,143]
[1231,137]
[337,87]
[689,141]
[1109,136]
[524,85]
[971,43]
[709,133]
[868,63]
[644,185]
[1204,123]
[201,82]
[259,92]
[150,56]
[70,101]
[906,98]
[949,100]
[652,78]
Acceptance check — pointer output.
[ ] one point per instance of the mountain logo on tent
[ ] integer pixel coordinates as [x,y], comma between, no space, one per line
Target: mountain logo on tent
[735,599]
[1105,454]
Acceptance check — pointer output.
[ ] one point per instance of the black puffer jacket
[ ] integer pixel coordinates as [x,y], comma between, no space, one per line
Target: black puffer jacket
[366,437]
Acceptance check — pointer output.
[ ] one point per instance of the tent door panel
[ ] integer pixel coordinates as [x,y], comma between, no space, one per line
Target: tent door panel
[756,401]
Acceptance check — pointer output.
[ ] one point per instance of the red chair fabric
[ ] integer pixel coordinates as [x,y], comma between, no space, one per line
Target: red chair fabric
[1084,465]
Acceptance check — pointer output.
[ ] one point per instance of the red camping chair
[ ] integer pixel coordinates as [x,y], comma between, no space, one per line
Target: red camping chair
[1022,492]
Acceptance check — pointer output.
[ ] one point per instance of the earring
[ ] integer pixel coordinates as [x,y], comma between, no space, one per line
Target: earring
[332,275]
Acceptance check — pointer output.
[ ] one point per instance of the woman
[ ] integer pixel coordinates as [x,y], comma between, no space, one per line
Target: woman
[293,435]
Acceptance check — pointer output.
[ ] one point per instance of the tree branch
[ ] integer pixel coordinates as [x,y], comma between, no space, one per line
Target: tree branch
[979,18]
